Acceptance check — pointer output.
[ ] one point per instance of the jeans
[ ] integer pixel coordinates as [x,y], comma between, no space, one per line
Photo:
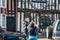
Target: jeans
[33,38]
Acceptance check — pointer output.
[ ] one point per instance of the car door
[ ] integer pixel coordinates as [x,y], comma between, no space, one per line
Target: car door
[58,29]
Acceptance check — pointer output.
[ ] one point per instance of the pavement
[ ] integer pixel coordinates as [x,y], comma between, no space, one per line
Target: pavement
[44,39]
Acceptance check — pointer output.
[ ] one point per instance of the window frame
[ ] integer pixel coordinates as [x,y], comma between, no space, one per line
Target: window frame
[0,19]
[1,3]
[5,4]
[4,20]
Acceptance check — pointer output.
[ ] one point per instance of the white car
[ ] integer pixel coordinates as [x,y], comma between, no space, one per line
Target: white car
[56,30]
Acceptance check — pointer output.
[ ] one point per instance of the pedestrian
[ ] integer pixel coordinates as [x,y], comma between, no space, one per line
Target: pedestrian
[25,28]
[33,31]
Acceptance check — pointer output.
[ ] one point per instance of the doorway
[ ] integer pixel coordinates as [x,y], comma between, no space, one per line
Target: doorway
[11,24]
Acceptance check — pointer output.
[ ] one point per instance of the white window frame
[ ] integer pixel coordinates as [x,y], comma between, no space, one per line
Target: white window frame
[19,4]
[1,19]
[5,4]
[18,28]
[1,3]
[4,22]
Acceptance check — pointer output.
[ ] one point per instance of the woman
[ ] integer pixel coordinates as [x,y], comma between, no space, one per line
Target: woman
[25,29]
[33,31]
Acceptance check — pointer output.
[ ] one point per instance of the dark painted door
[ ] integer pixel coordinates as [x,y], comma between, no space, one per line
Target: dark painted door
[11,24]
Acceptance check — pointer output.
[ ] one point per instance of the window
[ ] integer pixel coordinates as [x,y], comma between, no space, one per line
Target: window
[58,26]
[0,19]
[0,3]
[18,28]
[19,4]
[4,3]
[3,20]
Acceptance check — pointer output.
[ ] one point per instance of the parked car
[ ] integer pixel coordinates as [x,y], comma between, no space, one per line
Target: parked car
[12,36]
[56,30]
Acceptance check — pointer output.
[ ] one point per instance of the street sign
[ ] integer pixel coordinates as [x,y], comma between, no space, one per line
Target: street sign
[39,1]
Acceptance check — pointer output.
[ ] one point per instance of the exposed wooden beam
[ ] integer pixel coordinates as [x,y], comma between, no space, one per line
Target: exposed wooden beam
[37,11]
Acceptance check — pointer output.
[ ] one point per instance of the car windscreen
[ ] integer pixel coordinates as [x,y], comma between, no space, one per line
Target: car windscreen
[58,26]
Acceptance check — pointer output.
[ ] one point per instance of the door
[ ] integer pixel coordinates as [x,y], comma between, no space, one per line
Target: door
[11,24]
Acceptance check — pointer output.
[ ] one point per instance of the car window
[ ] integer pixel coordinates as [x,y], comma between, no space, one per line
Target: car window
[58,26]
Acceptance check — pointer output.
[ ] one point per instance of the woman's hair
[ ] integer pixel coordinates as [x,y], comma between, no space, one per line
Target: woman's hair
[32,24]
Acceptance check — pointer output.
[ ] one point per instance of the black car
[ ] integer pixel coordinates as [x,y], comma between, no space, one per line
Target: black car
[14,37]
